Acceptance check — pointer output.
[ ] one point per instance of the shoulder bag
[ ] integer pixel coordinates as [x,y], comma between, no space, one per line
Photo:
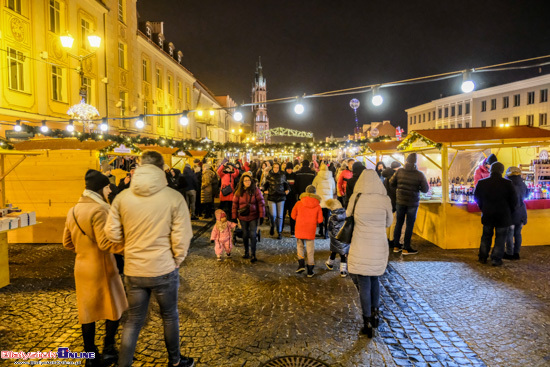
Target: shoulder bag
[226,190]
[346,232]
[245,210]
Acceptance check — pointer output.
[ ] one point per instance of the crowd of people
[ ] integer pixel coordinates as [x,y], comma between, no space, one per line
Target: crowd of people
[147,218]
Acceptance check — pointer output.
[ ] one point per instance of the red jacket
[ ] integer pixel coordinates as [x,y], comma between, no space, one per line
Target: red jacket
[227,179]
[257,206]
[343,181]
[308,213]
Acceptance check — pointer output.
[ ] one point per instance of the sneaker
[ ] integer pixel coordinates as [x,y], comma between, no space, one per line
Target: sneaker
[310,272]
[329,264]
[343,274]
[397,249]
[343,270]
[184,362]
[410,251]
[301,266]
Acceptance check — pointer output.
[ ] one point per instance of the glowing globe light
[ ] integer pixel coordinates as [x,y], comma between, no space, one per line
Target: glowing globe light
[184,121]
[377,100]
[299,108]
[468,86]
[44,128]
[199,112]
[211,112]
[237,116]
[70,128]
[103,126]
[354,103]
[17,128]
[139,122]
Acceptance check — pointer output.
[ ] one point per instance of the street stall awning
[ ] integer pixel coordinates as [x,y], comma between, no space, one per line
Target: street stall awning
[159,149]
[384,147]
[61,144]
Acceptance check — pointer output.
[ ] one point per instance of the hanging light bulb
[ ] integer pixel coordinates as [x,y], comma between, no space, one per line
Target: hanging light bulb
[184,120]
[139,122]
[70,127]
[104,126]
[237,116]
[44,128]
[17,126]
[376,97]
[299,107]
[211,112]
[467,84]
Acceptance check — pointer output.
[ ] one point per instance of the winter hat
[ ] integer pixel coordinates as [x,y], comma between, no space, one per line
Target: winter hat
[491,159]
[305,163]
[323,167]
[289,165]
[95,180]
[311,189]
[333,204]
[395,164]
[357,168]
[513,171]
[219,214]
[497,168]
[411,158]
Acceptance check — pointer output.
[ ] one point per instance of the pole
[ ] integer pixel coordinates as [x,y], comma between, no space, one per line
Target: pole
[444,194]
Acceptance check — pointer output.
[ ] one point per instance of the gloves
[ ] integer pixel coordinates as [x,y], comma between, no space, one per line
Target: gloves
[261,221]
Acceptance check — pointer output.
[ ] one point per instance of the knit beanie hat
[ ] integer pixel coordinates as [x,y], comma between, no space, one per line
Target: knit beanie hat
[513,171]
[95,180]
[497,168]
[491,159]
[311,189]
[305,163]
[411,158]
[395,164]
[289,165]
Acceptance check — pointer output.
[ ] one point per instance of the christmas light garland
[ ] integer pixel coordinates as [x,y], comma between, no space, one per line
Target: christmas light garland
[414,136]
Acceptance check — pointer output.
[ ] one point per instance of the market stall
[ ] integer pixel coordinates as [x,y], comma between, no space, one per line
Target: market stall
[384,151]
[448,157]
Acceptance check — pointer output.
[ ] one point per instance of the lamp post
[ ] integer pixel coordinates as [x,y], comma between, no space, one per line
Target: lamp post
[67,42]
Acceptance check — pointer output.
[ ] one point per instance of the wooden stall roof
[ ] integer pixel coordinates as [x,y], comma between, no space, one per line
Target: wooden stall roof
[58,144]
[17,152]
[156,148]
[384,146]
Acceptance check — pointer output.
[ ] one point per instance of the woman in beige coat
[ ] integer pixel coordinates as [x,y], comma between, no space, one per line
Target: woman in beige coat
[99,291]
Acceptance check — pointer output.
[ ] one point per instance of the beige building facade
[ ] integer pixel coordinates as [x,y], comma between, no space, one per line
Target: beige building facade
[135,71]
[523,102]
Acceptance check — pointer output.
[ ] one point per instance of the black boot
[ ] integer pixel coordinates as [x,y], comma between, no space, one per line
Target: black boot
[96,362]
[109,356]
[367,327]
[375,318]
[301,266]
[310,272]
[271,230]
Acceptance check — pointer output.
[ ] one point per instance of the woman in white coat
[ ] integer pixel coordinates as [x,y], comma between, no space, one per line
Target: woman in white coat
[326,188]
[368,254]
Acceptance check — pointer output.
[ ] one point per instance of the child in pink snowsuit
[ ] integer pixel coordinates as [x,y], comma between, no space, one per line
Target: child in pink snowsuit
[222,234]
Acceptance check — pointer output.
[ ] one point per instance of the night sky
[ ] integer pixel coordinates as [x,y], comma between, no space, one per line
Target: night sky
[317,45]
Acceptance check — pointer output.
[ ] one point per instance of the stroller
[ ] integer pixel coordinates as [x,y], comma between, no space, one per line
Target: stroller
[238,233]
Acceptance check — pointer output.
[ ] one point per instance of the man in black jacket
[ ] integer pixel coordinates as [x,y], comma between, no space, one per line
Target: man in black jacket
[291,197]
[304,178]
[497,199]
[408,182]
[387,175]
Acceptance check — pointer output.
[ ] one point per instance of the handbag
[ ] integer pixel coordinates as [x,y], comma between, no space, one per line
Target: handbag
[245,210]
[346,232]
[226,190]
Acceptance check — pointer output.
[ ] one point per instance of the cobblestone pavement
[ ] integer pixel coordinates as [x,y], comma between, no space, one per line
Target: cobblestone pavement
[440,308]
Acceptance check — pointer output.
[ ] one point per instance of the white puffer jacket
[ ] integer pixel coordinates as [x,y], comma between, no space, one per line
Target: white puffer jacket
[369,251]
[325,185]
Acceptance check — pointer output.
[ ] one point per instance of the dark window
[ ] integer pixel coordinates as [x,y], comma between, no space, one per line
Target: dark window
[439,113]
[446,112]
[505,102]
[433,116]
[414,120]
[483,106]
[516,121]
[530,97]
[517,100]
[453,110]
[467,108]
[483,123]
[543,95]
[460,126]
[493,104]
[493,123]
[467,125]
[543,119]
[530,120]
[410,120]
[459,110]
[423,117]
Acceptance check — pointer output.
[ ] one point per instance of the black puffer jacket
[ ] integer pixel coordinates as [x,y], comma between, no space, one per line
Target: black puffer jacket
[304,178]
[335,223]
[497,200]
[291,179]
[276,185]
[188,180]
[387,174]
[520,213]
[357,169]
[408,182]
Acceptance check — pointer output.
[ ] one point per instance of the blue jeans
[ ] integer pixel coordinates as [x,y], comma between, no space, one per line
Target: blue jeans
[513,239]
[249,235]
[401,212]
[276,209]
[487,239]
[369,292]
[139,289]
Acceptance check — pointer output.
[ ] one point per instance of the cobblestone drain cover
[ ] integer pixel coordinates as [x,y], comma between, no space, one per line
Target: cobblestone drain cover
[294,361]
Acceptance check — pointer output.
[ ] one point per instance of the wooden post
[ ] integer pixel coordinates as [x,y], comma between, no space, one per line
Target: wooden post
[444,194]
[4,261]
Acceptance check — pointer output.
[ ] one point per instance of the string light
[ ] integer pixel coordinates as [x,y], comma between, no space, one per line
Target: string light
[377,99]
[467,84]
[139,122]
[237,116]
[299,107]
[17,126]
[44,128]
[184,120]
[104,126]
[70,126]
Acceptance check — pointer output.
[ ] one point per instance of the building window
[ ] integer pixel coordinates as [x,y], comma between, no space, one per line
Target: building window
[505,102]
[493,122]
[159,79]
[467,125]
[453,110]
[180,91]
[188,96]
[452,126]
[517,100]
[169,84]
[543,119]
[543,95]
[483,123]
[85,31]
[459,125]
[459,110]
[439,113]
[505,120]
[87,84]
[57,83]
[483,106]
[121,10]
[423,117]
[55,16]
[467,112]
[123,96]
[410,120]
[16,70]
[121,55]
[429,115]
[493,104]
[14,5]
[160,119]
[145,70]
[146,111]
[516,121]
[446,112]
[530,97]
[530,120]
[433,118]
[199,133]
[414,120]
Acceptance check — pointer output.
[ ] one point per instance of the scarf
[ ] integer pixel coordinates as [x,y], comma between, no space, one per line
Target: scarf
[95,197]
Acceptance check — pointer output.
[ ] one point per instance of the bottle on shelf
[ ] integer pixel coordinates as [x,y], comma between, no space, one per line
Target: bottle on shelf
[452,193]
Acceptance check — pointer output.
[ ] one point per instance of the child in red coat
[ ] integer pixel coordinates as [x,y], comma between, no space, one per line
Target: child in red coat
[308,214]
